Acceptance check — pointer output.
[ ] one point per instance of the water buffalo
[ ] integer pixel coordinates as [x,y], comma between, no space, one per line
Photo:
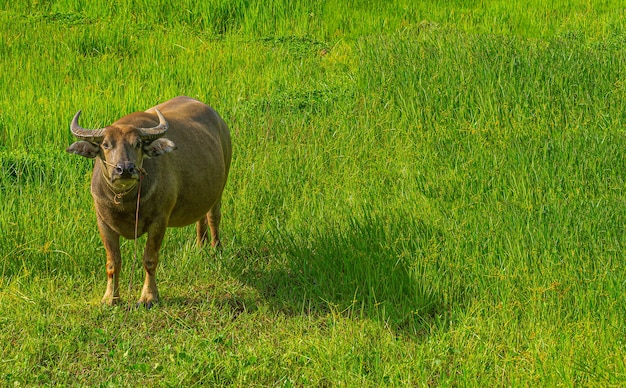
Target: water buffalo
[178,178]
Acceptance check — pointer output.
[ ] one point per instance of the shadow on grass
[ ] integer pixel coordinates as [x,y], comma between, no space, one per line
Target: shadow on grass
[368,269]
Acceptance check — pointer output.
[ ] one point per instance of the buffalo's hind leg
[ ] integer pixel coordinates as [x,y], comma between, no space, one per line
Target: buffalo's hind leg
[215,216]
[202,227]
[212,221]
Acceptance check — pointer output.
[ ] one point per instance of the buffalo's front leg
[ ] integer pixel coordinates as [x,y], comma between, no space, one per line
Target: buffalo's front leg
[111,241]
[150,293]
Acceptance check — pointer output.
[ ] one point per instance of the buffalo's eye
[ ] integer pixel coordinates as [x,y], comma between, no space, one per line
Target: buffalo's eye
[106,145]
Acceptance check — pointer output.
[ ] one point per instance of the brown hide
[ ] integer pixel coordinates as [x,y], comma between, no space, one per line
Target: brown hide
[181,184]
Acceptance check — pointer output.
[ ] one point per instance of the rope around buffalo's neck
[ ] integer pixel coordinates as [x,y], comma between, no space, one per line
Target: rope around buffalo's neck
[117,197]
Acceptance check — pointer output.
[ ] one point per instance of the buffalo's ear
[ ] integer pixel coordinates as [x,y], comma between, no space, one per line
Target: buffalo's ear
[84,148]
[159,147]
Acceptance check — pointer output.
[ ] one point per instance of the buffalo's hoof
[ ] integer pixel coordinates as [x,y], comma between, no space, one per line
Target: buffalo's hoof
[107,301]
[147,305]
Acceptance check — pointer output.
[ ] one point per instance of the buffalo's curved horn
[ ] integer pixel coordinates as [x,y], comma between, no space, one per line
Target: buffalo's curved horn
[90,135]
[155,132]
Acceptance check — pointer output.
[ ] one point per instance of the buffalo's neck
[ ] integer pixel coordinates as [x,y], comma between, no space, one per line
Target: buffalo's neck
[121,216]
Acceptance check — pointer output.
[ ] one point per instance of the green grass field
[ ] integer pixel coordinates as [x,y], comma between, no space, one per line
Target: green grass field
[422,193]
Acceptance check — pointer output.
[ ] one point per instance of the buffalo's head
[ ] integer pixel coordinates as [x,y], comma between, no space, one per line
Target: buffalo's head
[121,148]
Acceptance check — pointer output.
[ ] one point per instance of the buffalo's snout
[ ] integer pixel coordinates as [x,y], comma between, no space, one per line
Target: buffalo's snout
[125,170]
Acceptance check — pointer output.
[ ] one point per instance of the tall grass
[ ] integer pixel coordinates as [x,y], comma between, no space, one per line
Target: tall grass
[421,193]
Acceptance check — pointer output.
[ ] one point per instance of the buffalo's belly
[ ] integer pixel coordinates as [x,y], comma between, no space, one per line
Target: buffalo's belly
[198,192]
[188,213]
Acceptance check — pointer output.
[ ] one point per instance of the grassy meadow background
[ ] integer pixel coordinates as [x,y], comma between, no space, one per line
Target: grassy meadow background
[422,193]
